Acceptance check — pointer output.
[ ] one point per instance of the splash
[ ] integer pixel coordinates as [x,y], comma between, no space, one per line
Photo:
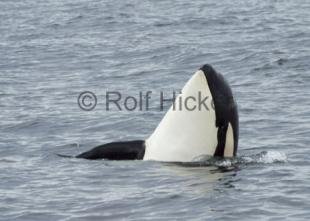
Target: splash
[265,157]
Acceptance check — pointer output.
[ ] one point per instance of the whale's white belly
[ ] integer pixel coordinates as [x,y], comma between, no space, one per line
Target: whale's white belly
[187,133]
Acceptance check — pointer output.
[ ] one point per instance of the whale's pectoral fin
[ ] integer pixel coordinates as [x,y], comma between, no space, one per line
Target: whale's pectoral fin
[127,150]
[221,137]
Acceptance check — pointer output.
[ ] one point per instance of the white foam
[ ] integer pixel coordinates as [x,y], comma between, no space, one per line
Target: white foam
[224,163]
[266,157]
[272,157]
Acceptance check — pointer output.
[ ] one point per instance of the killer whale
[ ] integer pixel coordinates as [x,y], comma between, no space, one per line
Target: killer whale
[183,135]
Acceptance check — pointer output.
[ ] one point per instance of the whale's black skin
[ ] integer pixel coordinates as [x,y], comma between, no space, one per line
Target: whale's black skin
[225,110]
[127,150]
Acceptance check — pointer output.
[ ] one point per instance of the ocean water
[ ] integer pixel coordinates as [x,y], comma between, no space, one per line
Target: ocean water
[51,51]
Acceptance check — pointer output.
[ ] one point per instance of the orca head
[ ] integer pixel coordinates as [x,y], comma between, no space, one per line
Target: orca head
[184,135]
[226,113]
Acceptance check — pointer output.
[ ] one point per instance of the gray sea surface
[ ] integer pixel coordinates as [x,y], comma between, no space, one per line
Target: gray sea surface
[52,50]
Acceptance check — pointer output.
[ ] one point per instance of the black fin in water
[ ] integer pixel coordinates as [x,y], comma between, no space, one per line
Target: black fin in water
[127,150]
